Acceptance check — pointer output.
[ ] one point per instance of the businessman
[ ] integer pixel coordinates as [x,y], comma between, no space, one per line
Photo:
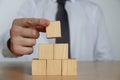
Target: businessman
[82,26]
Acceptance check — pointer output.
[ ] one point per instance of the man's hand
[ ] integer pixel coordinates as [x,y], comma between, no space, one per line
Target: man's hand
[24,33]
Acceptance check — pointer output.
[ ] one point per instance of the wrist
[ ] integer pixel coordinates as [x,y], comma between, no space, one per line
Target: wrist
[8,44]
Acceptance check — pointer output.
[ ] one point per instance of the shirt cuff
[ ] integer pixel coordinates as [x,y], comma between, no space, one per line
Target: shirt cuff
[5,51]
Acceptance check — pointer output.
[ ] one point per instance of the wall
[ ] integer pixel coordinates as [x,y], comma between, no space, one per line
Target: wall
[111,9]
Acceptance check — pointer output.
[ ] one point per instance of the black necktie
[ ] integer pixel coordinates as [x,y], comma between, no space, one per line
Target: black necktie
[63,17]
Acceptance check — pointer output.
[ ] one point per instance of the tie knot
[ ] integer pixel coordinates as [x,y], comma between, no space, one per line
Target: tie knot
[61,1]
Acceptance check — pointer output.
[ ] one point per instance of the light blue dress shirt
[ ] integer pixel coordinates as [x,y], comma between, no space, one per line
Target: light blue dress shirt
[89,38]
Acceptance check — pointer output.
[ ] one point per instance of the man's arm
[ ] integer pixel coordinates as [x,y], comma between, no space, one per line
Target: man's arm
[5,50]
[103,50]
[24,33]
[27,10]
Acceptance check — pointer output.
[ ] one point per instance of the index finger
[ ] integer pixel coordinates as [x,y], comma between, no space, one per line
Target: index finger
[31,22]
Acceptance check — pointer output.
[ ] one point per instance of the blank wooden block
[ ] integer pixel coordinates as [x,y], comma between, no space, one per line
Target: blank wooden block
[53,30]
[69,67]
[61,51]
[53,67]
[46,51]
[38,67]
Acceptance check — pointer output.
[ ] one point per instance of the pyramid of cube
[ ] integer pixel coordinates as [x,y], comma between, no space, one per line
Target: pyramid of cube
[53,58]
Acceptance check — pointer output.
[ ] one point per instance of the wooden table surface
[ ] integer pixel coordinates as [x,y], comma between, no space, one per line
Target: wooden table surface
[86,71]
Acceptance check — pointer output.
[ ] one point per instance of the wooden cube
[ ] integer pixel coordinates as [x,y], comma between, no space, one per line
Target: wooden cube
[46,51]
[53,30]
[69,67]
[61,51]
[53,67]
[38,67]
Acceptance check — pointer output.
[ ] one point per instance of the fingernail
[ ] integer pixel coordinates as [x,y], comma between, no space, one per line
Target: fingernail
[46,22]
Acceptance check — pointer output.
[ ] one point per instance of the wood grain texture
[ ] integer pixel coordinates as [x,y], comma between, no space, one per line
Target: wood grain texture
[69,67]
[38,67]
[61,51]
[45,51]
[53,67]
[53,30]
[87,70]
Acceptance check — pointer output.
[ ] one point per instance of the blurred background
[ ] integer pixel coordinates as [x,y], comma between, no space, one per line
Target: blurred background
[111,9]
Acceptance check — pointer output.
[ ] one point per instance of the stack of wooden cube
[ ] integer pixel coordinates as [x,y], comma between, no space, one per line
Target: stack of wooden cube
[53,58]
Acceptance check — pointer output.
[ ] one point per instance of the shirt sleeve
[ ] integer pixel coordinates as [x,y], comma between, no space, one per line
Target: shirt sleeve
[5,51]
[27,10]
[103,47]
